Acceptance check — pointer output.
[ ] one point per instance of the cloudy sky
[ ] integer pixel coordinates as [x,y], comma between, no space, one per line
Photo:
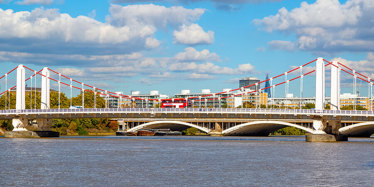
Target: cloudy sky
[169,45]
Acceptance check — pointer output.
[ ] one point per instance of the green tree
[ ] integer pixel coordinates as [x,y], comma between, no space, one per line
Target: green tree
[89,101]
[54,102]
[190,131]
[351,107]
[289,131]
[309,106]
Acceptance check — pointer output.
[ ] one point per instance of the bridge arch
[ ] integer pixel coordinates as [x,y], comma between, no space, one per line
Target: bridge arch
[261,128]
[364,129]
[160,124]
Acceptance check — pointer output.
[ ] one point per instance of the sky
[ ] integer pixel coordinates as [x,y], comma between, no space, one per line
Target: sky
[169,45]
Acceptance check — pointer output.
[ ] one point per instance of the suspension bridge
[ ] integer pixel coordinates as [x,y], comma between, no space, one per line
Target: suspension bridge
[321,124]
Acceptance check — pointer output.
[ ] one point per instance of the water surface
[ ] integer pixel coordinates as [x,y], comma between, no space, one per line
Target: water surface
[185,161]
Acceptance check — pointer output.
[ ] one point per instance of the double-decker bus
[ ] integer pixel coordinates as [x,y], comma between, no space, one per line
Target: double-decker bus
[174,103]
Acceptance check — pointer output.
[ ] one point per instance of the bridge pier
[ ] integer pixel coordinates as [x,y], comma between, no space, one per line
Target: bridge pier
[217,131]
[326,131]
[325,138]
[19,124]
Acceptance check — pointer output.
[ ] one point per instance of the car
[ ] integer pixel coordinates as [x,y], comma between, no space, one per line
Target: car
[75,107]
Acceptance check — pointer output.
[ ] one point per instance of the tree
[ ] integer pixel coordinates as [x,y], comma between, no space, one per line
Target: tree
[289,131]
[89,101]
[351,107]
[309,106]
[190,131]
[54,102]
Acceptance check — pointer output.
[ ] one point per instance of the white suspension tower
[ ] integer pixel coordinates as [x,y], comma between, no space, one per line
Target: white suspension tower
[335,86]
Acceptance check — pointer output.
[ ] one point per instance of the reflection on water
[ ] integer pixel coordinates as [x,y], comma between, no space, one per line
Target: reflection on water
[187,161]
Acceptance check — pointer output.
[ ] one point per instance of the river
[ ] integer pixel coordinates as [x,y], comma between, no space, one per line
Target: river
[185,161]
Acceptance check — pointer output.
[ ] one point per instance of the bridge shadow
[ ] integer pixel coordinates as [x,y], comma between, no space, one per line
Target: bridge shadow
[261,128]
[365,129]
[172,125]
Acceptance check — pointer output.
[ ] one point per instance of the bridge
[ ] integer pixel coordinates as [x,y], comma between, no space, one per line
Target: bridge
[321,124]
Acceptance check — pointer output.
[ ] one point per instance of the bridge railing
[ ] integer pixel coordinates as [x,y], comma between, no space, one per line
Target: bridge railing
[188,110]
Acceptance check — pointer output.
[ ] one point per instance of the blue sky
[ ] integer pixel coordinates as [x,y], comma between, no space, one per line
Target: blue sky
[169,45]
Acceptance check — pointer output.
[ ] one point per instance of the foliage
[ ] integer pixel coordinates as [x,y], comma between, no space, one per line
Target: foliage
[54,101]
[190,131]
[113,125]
[351,107]
[309,106]
[6,124]
[289,131]
[328,107]
[89,100]
[82,131]
[63,126]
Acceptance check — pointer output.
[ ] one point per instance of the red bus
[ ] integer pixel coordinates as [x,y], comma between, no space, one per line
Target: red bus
[174,103]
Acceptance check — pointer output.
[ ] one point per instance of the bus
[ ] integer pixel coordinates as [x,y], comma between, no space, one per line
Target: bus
[174,103]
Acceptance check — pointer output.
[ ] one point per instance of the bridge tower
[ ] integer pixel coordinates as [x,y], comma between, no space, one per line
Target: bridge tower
[45,97]
[320,84]
[19,123]
[335,86]
[326,130]
[45,124]
[319,124]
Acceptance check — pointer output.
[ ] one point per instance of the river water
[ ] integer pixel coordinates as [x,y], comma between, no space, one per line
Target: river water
[185,161]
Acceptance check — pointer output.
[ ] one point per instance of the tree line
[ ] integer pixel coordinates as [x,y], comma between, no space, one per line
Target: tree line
[63,126]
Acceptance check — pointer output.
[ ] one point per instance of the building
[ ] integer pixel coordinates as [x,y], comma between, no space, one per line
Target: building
[234,102]
[267,85]
[346,99]
[151,100]
[249,100]
[125,102]
[205,102]
[249,81]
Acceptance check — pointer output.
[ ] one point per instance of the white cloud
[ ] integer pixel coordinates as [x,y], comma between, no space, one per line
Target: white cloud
[191,54]
[325,26]
[30,2]
[209,68]
[183,66]
[70,72]
[148,63]
[282,45]
[199,76]
[152,42]
[220,4]
[127,29]
[161,75]
[145,81]
[69,60]
[245,68]
[193,35]
[153,15]
[365,67]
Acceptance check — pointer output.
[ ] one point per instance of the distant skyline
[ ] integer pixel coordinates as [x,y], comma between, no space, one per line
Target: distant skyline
[169,45]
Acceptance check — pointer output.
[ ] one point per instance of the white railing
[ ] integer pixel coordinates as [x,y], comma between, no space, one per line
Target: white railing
[191,110]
